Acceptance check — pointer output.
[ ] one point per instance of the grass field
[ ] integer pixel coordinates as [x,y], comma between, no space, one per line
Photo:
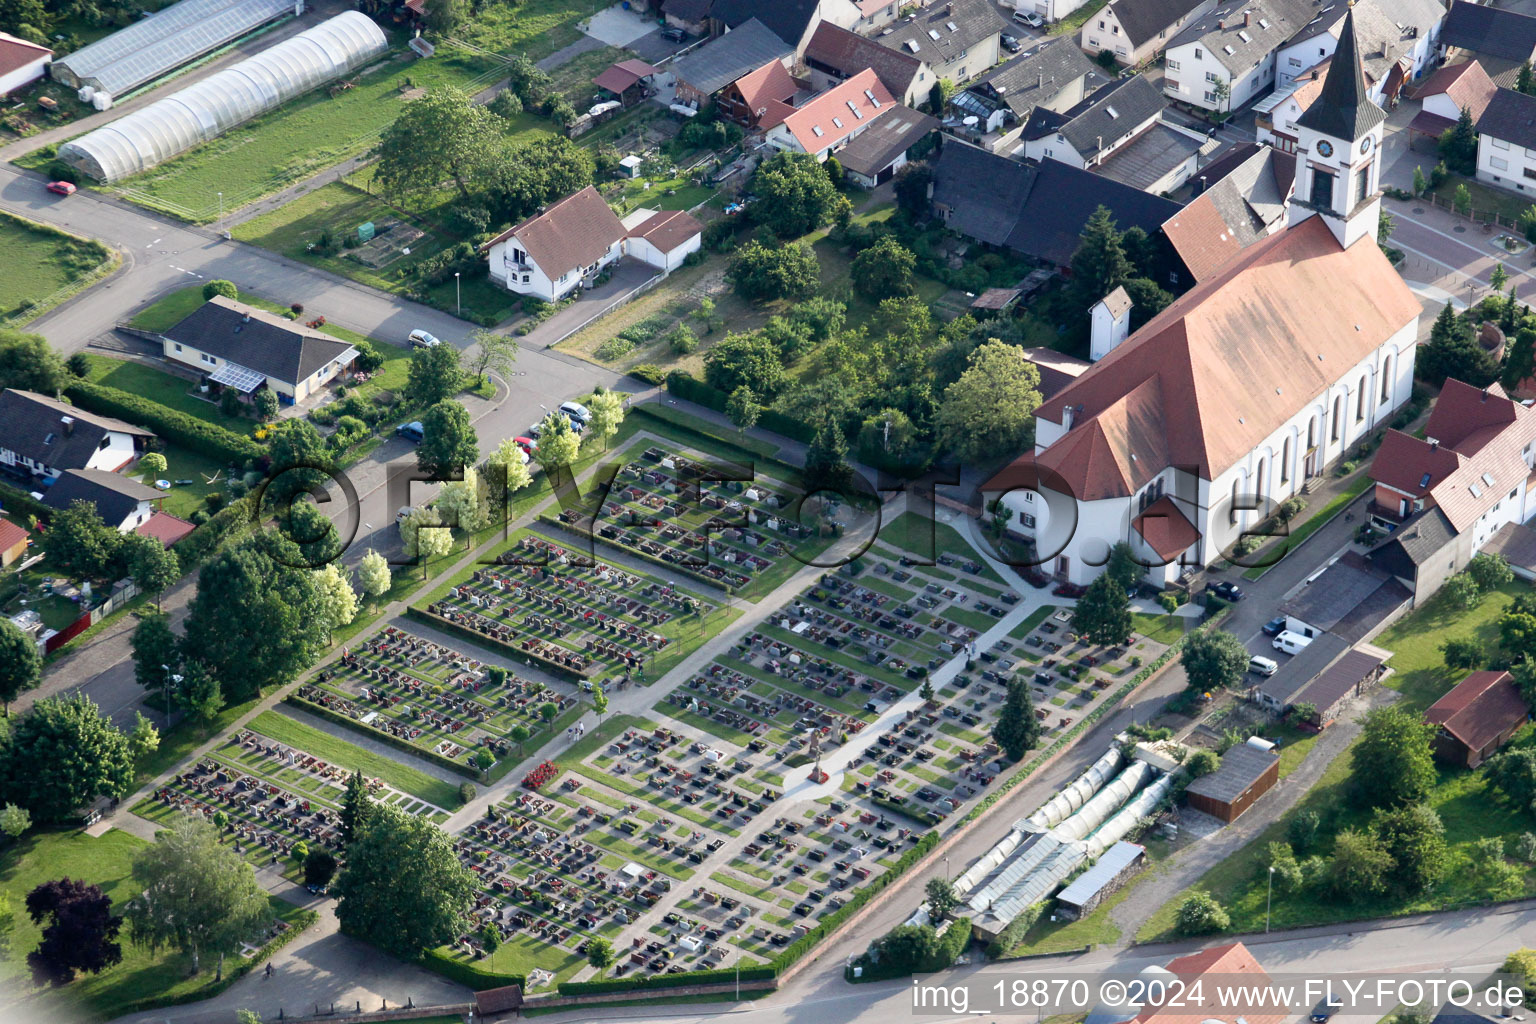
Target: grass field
[37,261]
[167,389]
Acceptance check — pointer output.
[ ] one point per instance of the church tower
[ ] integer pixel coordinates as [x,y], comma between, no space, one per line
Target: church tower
[1338,149]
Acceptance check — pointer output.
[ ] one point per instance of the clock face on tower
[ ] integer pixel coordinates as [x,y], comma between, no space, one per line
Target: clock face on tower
[1365,145]
[1325,148]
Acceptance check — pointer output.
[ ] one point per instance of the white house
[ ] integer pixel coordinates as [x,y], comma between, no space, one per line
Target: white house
[1449,91]
[1253,382]
[1225,58]
[1111,323]
[1399,42]
[832,119]
[551,254]
[21,62]
[1506,141]
[957,39]
[123,503]
[664,239]
[1090,131]
[1137,30]
[44,437]
[241,347]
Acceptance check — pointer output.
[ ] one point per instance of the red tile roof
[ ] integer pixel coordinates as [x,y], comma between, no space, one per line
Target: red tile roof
[575,232]
[667,229]
[1479,708]
[621,76]
[11,535]
[839,112]
[768,84]
[1233,959]
[1197,385]
[850,53]
[165,528]
[1202,238]
[1467,85]
[1166,529]
[18,53]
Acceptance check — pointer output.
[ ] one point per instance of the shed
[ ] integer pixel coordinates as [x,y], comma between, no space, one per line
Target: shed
[995,300]
[499,1000]
[1246,773]
[1476,718]
[625,80]
[1090,888]
[1357,671]
[13,542]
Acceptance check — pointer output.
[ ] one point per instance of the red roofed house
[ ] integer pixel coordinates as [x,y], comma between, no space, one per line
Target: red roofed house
[1253,382]
[165,528]
[1476,718]
[625,81]
[1445,496]
[13,542]
[21,62]
[1446,94]
[748,99]
[553,253]
[1203,1006]
[663,239]
[831,120]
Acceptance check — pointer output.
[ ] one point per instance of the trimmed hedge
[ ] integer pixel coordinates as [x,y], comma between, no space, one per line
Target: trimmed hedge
[475,636]
[225,524]
[468,974]
[719,974]
[200,436]
[389,739]
[689,387]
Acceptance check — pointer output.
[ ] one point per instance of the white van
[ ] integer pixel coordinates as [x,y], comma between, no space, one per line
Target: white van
[1262,666]
[1291,642]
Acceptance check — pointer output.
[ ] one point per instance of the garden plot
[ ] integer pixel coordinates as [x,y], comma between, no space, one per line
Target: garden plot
[543,607]
[432,696]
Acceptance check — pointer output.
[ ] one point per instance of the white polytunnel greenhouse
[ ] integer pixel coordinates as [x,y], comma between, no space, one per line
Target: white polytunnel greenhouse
[161,43]
[138,141]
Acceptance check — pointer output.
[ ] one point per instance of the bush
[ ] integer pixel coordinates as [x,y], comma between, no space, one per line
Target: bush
[650,373]
[171,424]
[466,792]
[219,286]
[1201,914]
[1014,934]
[1169,602]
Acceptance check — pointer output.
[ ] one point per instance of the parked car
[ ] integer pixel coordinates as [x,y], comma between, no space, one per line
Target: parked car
[63,188]
[1029,18]
[1262,666]
[1226,590]
[1274,626]
[1011,43]
[577,412]
[412,432]
[402,512]
[423,339]
[1290,642]
[525,443]
[672,34]
[1324,1009]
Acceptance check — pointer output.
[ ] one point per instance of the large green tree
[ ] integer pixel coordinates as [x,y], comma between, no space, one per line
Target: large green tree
[441,137]
[21,667]
[1103,613]
[489,351]
[794,194]
[989,412]
[1100,264]
[529,176]
[557,445]
[1213,659]
[151,564]
[1361,866]
[745,360]
[61,756]
[1458,144]
[355,807]
[79,543]
[760,273]
[1391,763]
[434,374]
[883,270]
[28,362]
[1453,351]
[1414,836]
[156,652]
[403,888]
[1017,730]
[449,443]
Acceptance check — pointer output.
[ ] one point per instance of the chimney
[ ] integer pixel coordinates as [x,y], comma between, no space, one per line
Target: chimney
[1247,19]
[68,423]
[949,8]
[1485,395]
[1066,417]
[1434,443]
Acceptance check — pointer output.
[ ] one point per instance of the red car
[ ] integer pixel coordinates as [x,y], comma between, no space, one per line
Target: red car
[63,188]
[525,443]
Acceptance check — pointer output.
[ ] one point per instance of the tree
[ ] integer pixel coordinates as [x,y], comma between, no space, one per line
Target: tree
[1489,571]
[449,443]
[942,898]
[528,176]
[884,269]
[200,694]
[742,408]
[1213,660]
[80,934]
[1524,81]
[156,652]
[1123,567]
[373,575]
[519,735]
[1524,674]
[151,465]
[492,351]
[431,543]
[1303,828]
[14,821]
[1462,653]
[441,136]
[338,601]
[794,194]
[547,712]
[607,409]
[403,888]
[29,363]
[151,565]
[1282,867]
[21,667]
[220,287]
[445,16]
[256,619]
[760,274]
[1498,277]
[265,402]
[462,504]
[1201,914]
[990,410]
[1414,837]
[1419,184]
[600,953]
[1492,876]
[195,895]
[355,808]
[1392,764]
[1103,613]
[319,867]
[1017,730]
[907,948]
[1522,964]
[1461,591]
[1458,144]
[1519,359]
[1201,762]
[434,374]
[1453,351]
[1361,866]
[557,445]
[912,184]
[1100,264]
[77,542]
[745,360]
[61,756]
[826,459]
[143,738]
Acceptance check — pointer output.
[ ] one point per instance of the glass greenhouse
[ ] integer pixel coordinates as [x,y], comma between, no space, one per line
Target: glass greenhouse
[163,42]
[202,111]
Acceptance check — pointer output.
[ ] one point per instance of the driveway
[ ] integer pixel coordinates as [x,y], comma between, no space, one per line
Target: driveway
[593,303]
[615,26]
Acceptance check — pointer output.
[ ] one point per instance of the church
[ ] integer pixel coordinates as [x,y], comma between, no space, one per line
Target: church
[1193,429]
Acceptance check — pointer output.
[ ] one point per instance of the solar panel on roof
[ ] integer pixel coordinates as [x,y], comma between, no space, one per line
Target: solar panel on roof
[233,375]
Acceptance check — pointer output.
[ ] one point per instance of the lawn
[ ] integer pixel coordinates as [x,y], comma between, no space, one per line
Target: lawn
[533,28]
[1163,629]
[1419,671]
[38,261]
[158,386]
[1265,557]
[142,975]
[909,532]
[1485,198]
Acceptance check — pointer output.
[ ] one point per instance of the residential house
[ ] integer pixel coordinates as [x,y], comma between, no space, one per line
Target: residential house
[1476,718]
[1445,495]
[1136,31]
[707,69]
[1249,385]
[875,14]
[664,238]
[793,21]
[13,543]
[835,55]
[241,347]
[1037,209]
[1276,115]
[1399,42]
[1497,38]
[831,120]
[626,81]
[1246,773]
[43,437]
[1244,200]
[748,100]
[993,110]
[1351,598]
[22,62]
[553,253]
[1446,93]
[1506,141]
[122,502]
[957,39]
[1225,58]
[876,154]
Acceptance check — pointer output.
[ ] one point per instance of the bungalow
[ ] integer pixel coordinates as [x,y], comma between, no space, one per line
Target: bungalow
[703,72]
[122,502]
[835,55]
[1476,718]
[22,62]
[1499,39]
[552,253]
[241,347]
[1137,30]
[43,437]
[1225,58]
[958,40]
[831,120]
[1506,141]
[13,543]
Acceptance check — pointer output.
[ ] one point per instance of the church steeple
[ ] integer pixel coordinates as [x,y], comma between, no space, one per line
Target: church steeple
[1343,109]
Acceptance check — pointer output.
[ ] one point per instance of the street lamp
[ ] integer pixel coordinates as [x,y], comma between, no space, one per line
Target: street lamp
[170,677]
[458,296]
[946,867]
[221,207]
[1269,895]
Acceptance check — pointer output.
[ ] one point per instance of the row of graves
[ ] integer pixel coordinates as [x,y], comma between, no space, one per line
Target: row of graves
[543,606]
[435,696]
[726,533]
[268,796]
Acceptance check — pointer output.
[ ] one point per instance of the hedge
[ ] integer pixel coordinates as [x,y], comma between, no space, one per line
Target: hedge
[710,977]
[320,711]
[1014,933]
[468,974]
[14,499]
[689,387]
[953,943]
[224,524]
[636,553]
[200,436]
[475,636]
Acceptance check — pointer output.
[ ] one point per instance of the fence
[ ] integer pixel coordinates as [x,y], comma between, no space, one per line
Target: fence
[628,296]
[1488,218]
[122,592]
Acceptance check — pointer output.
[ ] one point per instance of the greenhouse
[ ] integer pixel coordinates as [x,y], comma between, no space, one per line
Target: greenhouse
[206,109]
[162,42]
